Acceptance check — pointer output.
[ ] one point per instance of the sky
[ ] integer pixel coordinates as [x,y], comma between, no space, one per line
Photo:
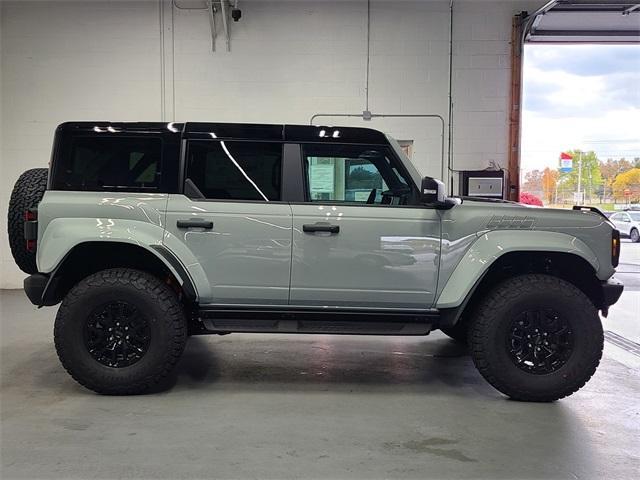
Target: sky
[580,96]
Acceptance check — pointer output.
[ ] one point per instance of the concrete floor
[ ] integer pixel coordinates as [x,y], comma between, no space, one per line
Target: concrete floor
[276,406]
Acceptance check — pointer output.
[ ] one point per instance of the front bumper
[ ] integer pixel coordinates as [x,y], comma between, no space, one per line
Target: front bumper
[611,291]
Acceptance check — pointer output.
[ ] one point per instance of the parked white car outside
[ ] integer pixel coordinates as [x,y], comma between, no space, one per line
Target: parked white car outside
[628,223]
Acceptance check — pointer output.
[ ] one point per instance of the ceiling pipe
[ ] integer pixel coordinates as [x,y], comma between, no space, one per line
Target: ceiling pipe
[212,24]
[450,129]
[223,14]
[366,90]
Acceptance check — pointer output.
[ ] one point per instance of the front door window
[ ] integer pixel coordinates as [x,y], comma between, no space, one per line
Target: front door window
[359,174]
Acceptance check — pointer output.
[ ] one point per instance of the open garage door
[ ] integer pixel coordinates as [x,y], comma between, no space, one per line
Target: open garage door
[563,22]
[590,21]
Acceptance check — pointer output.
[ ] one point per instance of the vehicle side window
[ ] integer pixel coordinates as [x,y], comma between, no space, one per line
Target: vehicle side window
[110,163]
[361,174]
[615,217]
[227,170]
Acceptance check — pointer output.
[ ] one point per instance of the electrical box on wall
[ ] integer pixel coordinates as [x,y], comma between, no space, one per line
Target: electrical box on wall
[482,183]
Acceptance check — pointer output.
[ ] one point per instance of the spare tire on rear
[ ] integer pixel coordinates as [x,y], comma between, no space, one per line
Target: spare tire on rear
[26,194]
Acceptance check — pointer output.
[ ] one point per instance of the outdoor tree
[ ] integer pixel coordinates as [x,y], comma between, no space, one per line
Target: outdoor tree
[533,181]
[549,183]
[611,169]
[591,178]
[629,181]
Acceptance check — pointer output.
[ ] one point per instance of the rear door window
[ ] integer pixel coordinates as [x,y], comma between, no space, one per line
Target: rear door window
[227,170]
[110,163]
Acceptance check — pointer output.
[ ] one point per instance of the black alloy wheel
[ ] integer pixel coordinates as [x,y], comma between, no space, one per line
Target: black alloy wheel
[117,334]
[536,337]
[540,341]
[120,331]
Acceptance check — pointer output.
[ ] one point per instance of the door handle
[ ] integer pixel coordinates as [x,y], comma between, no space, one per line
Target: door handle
[320,227]
[195,223]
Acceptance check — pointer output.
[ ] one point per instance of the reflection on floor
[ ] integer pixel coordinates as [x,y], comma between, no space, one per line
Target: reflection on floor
[278,406]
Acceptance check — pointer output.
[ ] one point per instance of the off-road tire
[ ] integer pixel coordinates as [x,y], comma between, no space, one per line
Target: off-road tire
[27,193]
[490,327]
[149,295]
[634,235]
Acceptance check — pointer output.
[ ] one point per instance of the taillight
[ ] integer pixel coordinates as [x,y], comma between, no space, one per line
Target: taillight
[31,229]
[31,246]
[615,247]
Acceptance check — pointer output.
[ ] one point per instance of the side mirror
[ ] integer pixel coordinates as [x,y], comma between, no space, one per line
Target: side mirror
[432,193]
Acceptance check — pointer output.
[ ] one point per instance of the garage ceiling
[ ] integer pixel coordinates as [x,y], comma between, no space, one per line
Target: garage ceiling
[579,21]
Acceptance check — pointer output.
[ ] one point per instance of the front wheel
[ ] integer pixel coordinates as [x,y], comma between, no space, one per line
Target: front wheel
[536,338]
[120,331]
[634,235]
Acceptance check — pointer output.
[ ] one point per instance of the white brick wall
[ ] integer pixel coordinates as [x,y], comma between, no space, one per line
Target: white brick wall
[101,60]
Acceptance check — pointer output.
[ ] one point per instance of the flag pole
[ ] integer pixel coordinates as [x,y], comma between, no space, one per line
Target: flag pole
[580,176]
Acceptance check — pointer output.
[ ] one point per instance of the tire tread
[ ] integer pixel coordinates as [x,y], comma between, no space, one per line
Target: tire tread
[27,193]
[173,319]
[510,290]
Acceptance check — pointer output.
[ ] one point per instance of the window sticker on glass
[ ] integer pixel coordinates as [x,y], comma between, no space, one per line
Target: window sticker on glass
[321,178]
[361,196]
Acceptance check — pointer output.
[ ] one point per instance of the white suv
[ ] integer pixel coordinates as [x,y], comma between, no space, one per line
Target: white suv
[628,223]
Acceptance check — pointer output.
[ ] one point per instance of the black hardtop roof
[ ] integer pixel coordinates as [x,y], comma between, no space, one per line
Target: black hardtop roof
[239,131]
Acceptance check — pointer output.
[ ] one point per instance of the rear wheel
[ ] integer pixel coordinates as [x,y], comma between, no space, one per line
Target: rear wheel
[536,338]
[27,193]
[634,235]
[120,331]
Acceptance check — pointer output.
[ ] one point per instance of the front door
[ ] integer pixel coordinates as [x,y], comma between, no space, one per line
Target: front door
[361,240]
[233,221]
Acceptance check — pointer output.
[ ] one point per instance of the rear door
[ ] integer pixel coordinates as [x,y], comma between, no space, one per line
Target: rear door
[360,239]
[233,220]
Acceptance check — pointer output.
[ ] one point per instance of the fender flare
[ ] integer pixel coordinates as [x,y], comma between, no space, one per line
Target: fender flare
[490,246]
[62,236]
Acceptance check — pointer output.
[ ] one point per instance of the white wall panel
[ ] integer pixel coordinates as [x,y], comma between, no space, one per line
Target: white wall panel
[102,60]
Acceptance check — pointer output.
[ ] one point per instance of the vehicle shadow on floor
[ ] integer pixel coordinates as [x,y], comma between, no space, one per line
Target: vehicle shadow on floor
[280,362]
[326,363]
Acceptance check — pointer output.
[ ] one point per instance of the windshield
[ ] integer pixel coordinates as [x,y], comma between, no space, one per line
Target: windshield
[635,216]
[415,175]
